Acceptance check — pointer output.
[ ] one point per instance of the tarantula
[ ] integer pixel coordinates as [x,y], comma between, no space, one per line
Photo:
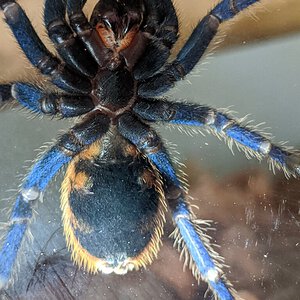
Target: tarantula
[120,177]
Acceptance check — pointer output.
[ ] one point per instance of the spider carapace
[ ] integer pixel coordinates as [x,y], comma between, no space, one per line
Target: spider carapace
[111,70]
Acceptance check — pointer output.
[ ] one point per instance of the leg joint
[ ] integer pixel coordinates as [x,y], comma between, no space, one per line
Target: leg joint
[150,142]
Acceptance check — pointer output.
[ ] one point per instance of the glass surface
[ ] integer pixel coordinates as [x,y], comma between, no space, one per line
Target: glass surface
[256,214]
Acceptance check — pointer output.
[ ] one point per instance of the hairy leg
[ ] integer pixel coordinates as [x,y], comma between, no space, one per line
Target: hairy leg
[251,141]
[39,101]
[193,49]
[38,54]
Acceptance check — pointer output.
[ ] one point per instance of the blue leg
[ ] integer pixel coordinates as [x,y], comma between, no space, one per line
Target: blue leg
[38,101]
[38,54]
[193,49]
[69,144]
[21,215]
[206,263]
[253,143]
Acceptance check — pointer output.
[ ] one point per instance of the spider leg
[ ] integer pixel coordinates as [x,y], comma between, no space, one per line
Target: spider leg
[206,266]
[38,101]
[69,144]
[70,48]
[148,142]
[161,27]
[193,49]
[221,124]
[38,54]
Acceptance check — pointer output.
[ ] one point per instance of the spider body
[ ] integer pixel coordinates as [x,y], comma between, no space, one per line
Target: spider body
[120,177]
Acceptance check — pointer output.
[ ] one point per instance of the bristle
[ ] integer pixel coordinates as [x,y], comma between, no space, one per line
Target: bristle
[201,227]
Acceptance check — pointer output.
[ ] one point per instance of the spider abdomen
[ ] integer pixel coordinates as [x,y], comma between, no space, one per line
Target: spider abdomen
[113,211]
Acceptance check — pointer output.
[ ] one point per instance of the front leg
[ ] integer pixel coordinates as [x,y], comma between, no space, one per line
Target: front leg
[193,49]
[38,54]
[205,262]
[70,144]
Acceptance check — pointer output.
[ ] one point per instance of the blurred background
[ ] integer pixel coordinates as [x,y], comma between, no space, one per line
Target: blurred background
[253,67]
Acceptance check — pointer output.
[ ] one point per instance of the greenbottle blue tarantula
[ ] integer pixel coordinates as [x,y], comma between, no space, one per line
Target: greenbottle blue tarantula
[120,178]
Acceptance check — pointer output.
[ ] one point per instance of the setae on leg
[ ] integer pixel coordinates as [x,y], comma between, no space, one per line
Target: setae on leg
[38,54]
[253,143]
[31,190]
[40,101]
[193,49]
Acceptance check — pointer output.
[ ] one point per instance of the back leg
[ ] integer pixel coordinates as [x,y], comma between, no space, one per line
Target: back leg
[38,54]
